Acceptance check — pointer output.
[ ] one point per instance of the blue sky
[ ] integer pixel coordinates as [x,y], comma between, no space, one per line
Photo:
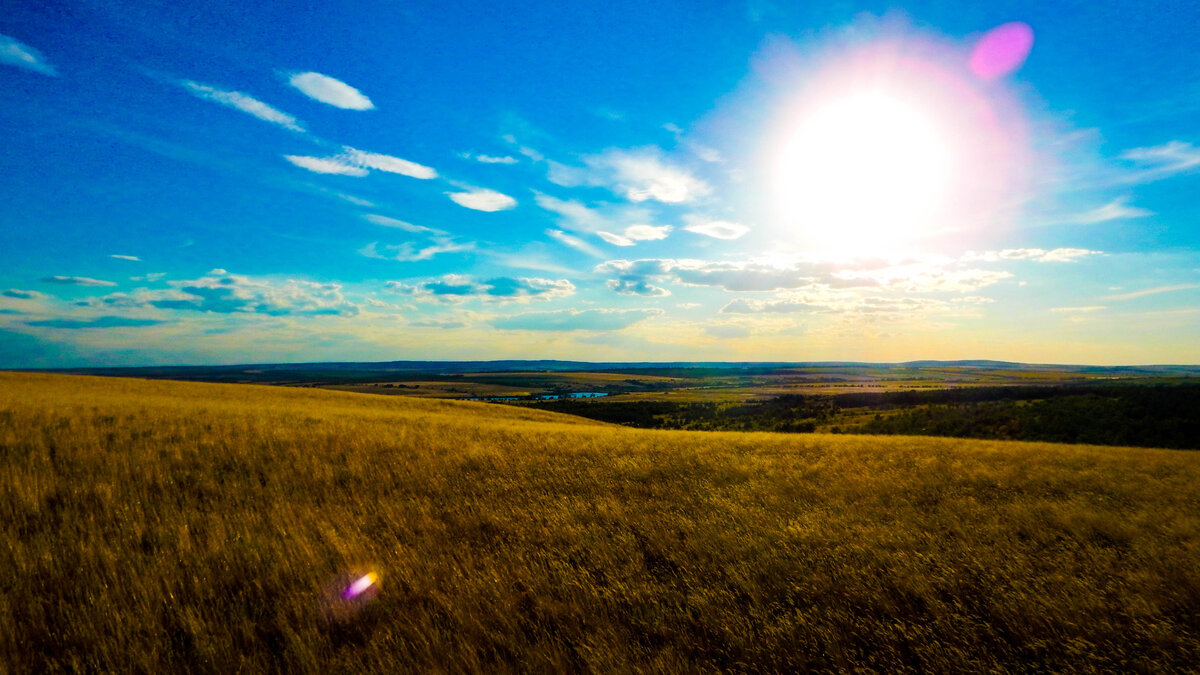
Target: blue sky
[271,182]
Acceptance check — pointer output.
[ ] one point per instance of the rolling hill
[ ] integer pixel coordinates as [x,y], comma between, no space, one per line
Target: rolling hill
[172,526]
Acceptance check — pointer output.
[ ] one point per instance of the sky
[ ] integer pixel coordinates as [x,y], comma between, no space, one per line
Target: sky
[233,182]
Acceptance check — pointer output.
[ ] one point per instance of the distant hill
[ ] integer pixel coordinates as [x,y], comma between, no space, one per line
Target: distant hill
[367,371]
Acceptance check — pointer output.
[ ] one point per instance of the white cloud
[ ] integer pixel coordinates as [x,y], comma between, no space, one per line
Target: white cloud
[1152,291]
[411,252]
[636,287]
[643,175]
[636,233]
[1034,254]
[718,229]
[575,243]
[232,293]
[77,281]
[330,165]
[1162,161]
[388,163]
[328,90]
[574,215]
[357,201]
[490,159]
[705,153]
[15,53]
[18,294]
[455,288]
[1117,209]
[615,239]
[754,275]
[239,101]
[566,175]
[401,225]
[481,199]
[353,162]
[133,258]
[647,232]
[1078,310]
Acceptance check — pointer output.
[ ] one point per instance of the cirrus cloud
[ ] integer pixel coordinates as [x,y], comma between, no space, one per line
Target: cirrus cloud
[482,199]
[717,229]
[330,91]
[15,53]
[76,281]
[243,102]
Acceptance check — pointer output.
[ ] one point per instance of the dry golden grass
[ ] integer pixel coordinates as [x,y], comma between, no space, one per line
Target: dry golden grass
[163,526]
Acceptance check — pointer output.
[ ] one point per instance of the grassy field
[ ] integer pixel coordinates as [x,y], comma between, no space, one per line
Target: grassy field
[153,526]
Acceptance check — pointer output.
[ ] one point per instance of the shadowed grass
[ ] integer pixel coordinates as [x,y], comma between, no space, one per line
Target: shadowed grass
[153,526]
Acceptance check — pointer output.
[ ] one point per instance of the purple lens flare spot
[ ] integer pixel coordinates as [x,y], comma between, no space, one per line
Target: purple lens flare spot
[1001,50]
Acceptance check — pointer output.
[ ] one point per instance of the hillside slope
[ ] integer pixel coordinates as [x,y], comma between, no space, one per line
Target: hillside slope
[154,526]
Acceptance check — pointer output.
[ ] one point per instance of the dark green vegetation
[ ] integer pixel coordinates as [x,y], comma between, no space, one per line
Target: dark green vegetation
[175,527]
[1164,416]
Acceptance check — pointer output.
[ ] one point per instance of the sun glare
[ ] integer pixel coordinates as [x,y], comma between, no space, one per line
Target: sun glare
[866,169]
[894,148]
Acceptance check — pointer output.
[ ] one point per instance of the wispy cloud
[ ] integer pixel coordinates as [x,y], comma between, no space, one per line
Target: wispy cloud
[575,320]
[389,164]
[99,322]
[453,288]
[717,229]
[133,258]
[643,174]
[615,239]
[1034,254]
[222,293]
[1078,310]
[328,165]
[573,214]
[401,225]
[329,90]
[243,102]
[1162,161]
[354,162]
[872,307]
[636,287]
[18,294]
[489,159]
[412,252]
[575,243]
[1117,209]
[635,233]
[15,53]
[943,276]
[482,199]
[1151,291]
[77,281]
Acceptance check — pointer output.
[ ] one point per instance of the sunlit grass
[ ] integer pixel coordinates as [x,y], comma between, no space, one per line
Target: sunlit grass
[156,526]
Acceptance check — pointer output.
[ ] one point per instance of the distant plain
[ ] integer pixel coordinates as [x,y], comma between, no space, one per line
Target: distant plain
[155,526]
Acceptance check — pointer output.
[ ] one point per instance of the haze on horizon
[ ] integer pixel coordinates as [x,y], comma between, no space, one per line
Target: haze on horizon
[752,181]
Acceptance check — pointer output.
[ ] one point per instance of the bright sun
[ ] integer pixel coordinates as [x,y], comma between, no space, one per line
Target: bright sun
[867,170]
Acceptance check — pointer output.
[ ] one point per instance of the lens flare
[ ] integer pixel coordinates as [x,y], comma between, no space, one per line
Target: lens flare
[347,596]
[1002,50]
[360,586]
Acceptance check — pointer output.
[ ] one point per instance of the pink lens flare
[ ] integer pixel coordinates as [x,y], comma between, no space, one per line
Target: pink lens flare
[360,586]
[1001,50]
